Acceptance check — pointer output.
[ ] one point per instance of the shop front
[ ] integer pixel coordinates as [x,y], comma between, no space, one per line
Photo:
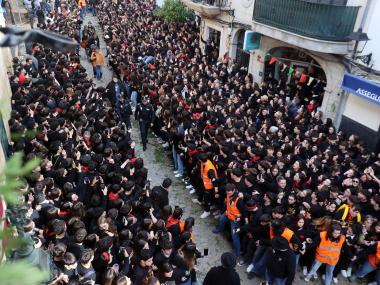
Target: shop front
[361,115]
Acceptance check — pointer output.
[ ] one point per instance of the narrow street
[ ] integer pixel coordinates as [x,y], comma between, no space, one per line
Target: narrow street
[159,164]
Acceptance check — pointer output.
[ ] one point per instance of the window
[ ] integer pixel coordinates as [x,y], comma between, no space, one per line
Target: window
[214,36]
[329,2]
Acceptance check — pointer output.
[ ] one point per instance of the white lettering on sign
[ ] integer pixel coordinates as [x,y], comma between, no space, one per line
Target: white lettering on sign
[368,94]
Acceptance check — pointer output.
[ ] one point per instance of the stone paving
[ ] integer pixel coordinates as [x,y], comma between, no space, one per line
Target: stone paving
[107,73]
[159,164]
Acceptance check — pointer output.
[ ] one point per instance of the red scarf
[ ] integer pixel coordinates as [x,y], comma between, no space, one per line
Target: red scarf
[171,222]
[113,196]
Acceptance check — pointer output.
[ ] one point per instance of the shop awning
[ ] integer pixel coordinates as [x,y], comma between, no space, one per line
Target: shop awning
[361,87]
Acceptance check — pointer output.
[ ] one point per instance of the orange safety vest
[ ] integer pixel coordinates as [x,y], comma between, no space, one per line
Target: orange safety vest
[328,252]
[286,234]
[181,226]
[232,211]
[374,259]
[205,167]
[182,229]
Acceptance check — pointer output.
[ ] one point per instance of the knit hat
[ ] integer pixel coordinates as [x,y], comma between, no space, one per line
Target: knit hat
[228,260]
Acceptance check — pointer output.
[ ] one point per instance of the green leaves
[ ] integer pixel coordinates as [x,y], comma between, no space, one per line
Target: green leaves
[14,170]
[21,273]
[15,273]
[8,190]
[173,11]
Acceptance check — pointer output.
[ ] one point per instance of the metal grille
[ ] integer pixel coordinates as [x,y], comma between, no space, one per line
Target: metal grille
[217,3]
[314,20]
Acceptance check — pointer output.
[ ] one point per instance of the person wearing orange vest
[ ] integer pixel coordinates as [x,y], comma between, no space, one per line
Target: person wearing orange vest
[328,251]
[82,8]
[372,264]
[175,225]
[208,175]
[235,212]
[260,259]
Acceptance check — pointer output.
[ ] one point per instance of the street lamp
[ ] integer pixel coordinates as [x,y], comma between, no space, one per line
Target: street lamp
[359,36]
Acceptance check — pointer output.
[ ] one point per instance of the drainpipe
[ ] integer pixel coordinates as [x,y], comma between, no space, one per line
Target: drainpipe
[365,14]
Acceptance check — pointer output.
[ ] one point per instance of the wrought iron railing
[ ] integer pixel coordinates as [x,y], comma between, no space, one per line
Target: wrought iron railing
[314,20]
[216,3]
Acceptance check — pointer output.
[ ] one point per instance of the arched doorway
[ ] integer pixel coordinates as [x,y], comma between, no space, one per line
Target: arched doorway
[242,57]
[291,59]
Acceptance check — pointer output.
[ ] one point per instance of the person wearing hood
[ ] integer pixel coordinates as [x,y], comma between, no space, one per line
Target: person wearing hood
[281,263]
[224,274]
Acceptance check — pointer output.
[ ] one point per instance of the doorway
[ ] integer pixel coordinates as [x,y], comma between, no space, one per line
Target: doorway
[242,56]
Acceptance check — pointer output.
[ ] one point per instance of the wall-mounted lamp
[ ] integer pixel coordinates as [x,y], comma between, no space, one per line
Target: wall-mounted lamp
[359,36]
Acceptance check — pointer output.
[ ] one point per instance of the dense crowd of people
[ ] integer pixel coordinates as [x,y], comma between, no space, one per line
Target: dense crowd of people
[259,158]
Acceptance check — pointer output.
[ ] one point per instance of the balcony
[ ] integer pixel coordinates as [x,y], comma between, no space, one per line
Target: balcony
[313,20]
[207,8]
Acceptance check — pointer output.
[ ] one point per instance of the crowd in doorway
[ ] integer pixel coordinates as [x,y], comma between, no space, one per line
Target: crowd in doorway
[293,191]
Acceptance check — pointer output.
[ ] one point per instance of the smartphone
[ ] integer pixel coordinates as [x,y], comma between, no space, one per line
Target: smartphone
[205,251]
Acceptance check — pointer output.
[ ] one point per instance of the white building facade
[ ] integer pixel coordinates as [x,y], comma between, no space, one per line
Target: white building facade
[307,36]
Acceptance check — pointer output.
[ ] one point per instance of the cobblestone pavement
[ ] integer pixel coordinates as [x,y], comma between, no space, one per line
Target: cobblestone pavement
[107,73]
[159,166]
[159,163]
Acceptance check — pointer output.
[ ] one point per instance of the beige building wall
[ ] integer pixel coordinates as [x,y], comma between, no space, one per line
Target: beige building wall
[5,90]
[224,30]
[363,112]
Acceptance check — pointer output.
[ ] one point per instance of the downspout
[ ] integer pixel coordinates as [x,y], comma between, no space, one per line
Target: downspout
[365,14]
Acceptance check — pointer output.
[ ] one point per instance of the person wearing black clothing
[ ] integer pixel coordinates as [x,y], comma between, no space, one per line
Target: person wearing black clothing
[252,234]
[70,267]
[85,270]
[77,246]
[224,274]
[115,90]
[160,194]
[145,115]
[173,226]
[167,254]
[142,270]
[281,263]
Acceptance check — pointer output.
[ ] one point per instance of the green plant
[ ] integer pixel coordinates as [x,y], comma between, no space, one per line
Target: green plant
[173,11]
[14,273]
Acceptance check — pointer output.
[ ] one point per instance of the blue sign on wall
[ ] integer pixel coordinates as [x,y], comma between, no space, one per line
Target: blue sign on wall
[251,41]
[361,87]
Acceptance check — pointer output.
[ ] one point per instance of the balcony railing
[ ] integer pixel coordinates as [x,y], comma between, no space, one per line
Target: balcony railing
[216,3]
[314,20]
[208,8]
